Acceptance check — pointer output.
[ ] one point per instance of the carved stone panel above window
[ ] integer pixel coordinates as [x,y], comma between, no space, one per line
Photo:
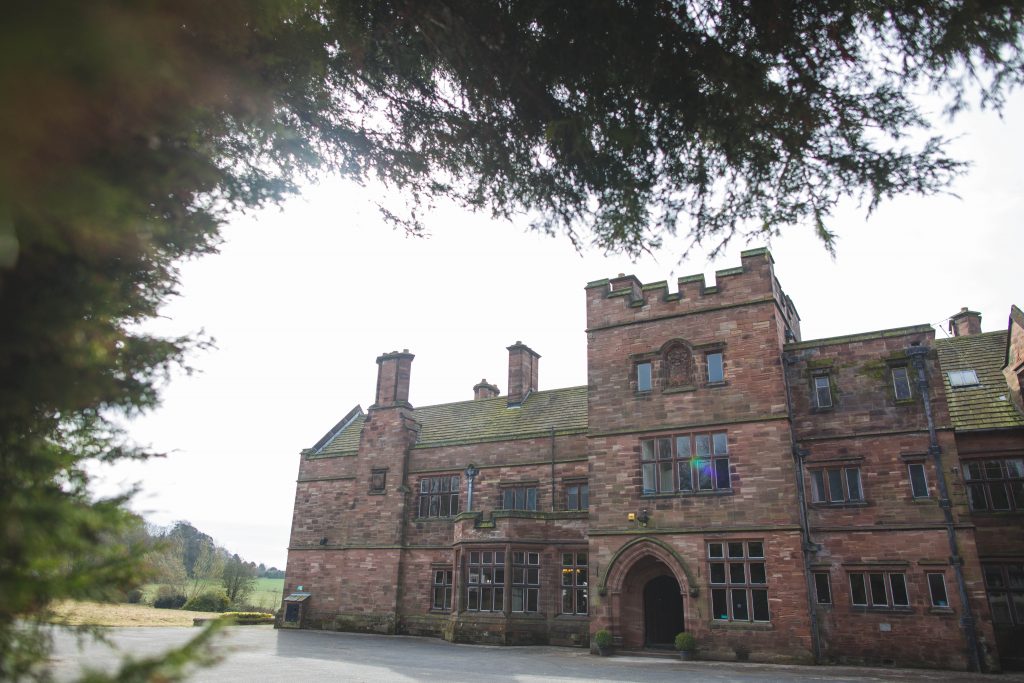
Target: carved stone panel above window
[679,365]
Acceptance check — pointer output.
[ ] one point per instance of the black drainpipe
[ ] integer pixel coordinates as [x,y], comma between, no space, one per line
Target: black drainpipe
[917,355]
[807,546]
[553,508]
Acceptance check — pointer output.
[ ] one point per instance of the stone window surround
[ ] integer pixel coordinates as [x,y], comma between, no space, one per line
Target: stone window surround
[449,497]
[1012,486]
[444,587]
[865,576]
[510,492]
[714,457]
[821,497]
[659,375]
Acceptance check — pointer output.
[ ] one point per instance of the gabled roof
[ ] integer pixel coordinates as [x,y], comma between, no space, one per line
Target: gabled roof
[343,438]
[465,422]
[987,405]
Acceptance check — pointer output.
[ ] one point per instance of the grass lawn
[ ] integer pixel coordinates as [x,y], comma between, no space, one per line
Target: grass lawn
[266,595]
[76,613]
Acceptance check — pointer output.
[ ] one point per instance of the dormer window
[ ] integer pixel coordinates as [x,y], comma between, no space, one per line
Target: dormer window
[963,378]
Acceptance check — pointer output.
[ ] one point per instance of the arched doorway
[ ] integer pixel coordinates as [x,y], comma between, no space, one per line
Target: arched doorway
[663,611]
[648,590]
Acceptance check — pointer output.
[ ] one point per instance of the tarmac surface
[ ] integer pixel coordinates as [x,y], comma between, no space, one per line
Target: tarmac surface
[261,653]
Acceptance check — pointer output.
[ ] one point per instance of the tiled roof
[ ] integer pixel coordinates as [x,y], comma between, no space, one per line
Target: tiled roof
[346,441]
[489,419]
[987,405]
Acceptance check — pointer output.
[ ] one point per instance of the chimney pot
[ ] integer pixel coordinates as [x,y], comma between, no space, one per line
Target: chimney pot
[485,390]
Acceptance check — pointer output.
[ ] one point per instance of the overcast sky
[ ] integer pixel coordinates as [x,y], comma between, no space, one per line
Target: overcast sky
[302,299]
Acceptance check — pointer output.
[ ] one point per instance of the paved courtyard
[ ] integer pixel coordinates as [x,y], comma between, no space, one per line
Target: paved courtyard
[260,653]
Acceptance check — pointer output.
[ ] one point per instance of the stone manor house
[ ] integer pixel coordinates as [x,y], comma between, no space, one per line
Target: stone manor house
[853,499]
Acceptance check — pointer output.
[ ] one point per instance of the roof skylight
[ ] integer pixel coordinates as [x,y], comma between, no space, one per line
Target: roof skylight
[963,378]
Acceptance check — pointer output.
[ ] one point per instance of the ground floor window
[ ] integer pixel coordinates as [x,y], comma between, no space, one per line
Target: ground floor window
[485,581]
[575,598]
[1004,584]
[879,589]
[525,581]
[739,590]
[442,589]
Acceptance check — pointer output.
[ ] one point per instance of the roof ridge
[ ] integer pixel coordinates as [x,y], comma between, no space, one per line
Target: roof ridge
[496,398]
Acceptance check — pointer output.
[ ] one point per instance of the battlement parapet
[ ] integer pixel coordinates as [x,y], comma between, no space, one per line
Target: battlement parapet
[624,299]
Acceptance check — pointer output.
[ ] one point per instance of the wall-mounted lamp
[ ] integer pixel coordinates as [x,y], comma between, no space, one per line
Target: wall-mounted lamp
[323,541]
[643,517]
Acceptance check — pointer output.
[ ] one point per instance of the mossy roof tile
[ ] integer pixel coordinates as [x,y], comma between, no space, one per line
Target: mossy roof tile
[489,419]
[986,405]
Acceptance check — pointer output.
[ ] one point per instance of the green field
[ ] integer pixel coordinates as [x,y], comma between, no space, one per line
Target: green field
[266,595]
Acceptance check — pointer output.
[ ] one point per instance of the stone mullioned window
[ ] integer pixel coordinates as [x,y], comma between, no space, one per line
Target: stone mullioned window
[685,463]
[739,581]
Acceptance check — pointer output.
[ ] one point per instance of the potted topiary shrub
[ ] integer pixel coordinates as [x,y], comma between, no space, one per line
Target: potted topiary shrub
[685,644]
[603,641]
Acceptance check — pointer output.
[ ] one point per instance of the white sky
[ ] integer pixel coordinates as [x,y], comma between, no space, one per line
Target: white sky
[301,300]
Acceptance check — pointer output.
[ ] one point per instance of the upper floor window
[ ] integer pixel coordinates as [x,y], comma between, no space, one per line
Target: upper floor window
[739,582]
[577,496]
[716,368]
[439,496]
[685,463]
[937,589]
[963,378]
[378,477]
[836,485]
[519,498]
[901,383]
[918,480]
[995,485]
[644,377]
[822,387]
[878,589]
[822,588]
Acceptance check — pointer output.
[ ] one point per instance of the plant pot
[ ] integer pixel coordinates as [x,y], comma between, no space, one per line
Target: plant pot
[604,651]
[685,655]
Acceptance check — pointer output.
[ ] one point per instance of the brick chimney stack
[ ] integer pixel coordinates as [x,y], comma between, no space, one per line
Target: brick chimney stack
[393,370]
[523,363]
[485,390]
[965,323]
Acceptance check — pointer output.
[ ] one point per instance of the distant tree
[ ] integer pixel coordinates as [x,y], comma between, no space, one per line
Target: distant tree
[131,131]
[239,579]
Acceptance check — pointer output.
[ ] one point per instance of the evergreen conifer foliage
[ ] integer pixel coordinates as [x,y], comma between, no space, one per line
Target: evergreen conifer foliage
[129,131]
